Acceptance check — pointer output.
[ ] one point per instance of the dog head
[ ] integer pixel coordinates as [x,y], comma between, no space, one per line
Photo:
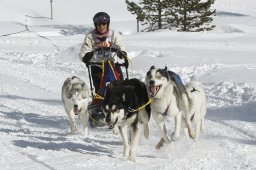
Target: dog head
[156,81]
[78,93]
[114,104]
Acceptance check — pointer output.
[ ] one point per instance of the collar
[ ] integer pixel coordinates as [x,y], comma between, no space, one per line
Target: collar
[98,35]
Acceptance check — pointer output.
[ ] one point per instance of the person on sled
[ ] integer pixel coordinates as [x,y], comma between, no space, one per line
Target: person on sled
[102,36]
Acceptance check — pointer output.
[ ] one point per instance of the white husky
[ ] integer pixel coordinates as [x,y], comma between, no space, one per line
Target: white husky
[197,108]
[75,96]
[171,97]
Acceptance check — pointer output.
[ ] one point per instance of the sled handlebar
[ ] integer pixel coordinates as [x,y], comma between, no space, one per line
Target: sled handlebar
[117,64]
[113,48]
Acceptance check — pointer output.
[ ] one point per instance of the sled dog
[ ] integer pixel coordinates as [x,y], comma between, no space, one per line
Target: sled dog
[75,96]
[197,110]
[171,97]
[126,105]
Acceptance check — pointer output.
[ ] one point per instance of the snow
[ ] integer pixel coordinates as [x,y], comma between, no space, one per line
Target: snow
[35,132]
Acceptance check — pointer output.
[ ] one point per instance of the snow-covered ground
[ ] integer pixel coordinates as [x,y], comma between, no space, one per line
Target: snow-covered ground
[34,130]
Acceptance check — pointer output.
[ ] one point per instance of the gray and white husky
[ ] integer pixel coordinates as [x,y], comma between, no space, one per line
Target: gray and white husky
[171,97]
[75,96]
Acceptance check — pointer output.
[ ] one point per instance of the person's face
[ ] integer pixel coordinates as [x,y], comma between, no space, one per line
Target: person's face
[102,27]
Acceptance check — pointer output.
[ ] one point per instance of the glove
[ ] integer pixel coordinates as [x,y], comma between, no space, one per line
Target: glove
[122,54]
[87,57]
[115,48]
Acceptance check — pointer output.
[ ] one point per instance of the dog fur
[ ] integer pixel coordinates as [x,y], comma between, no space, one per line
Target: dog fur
[198,107]
[75,96]
[171,97]
[122,99]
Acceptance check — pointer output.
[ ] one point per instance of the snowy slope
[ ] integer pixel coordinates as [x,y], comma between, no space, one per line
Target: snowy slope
[34,130]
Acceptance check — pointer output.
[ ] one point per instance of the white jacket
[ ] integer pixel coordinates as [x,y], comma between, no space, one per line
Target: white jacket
[90,44]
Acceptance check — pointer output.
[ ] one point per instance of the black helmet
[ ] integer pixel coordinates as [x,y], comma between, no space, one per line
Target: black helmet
[101,17]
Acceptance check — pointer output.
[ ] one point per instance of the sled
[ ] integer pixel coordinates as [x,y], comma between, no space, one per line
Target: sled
[109,74]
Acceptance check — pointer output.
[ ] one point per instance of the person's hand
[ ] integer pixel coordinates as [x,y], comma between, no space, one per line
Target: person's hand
[87,57]
[122,54]
[115,48]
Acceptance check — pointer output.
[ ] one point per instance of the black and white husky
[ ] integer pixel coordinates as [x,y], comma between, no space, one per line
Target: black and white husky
[125,106]
[171,97]
[75,96]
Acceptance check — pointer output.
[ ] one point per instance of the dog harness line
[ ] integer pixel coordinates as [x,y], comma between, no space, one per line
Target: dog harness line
[141,107]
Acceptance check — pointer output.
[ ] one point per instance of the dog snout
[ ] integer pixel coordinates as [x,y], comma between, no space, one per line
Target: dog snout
[75,106]
[152,82]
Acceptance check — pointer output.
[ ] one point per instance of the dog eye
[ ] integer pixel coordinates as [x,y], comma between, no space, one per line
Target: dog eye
[69,95]
[84,96]
[149,75]
[159,76]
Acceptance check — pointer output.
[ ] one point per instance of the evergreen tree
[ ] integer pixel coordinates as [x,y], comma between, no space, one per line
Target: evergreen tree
[182,15]
[150,12]
[191,15]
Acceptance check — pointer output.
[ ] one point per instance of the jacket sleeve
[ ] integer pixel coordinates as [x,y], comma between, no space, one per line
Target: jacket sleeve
[117,40]
[87,46]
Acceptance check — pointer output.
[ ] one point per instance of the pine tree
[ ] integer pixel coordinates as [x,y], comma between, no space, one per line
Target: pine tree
[191,15]
[150,13]
[136,10]
[182,15]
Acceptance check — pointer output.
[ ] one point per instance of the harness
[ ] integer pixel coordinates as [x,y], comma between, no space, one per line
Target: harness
[150,100]
[166,110]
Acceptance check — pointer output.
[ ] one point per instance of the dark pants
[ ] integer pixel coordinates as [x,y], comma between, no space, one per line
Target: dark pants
[97,75]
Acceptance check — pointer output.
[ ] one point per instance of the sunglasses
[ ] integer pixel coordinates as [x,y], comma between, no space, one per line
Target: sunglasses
[101,23]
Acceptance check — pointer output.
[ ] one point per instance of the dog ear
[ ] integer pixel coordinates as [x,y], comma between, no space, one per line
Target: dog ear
[69,86]
[73,77]
[165,68]
[152,67]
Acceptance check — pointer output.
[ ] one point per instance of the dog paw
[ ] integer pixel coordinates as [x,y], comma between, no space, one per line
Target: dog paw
[175,137]
[203,130]
[131,158]
[115,130]
[192,135]
[160,144]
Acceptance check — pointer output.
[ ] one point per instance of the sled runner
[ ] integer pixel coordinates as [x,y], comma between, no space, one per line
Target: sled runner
[110,71]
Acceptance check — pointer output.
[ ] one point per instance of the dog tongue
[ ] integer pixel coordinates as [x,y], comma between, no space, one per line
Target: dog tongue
[152,90]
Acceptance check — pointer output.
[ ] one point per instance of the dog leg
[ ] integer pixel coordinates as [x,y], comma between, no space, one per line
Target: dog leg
[124,133]
[84,119]
[190,128]
[144,119]
[198,126]
[162,128]
[146,130]
[177,126]
[73,127]
[160,144]
[115,130]
[203,129]
[72,121]
[164,139]
[135,136]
